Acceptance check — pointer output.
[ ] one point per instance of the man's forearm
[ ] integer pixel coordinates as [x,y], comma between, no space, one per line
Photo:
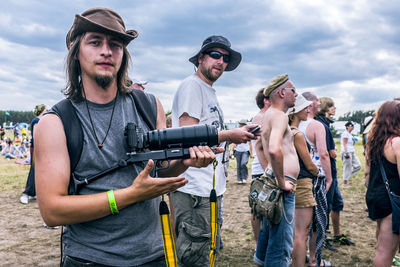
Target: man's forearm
[326,167]
[72,209]
[223,136]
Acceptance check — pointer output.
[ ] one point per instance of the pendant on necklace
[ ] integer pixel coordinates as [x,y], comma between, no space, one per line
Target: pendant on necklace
[100,146]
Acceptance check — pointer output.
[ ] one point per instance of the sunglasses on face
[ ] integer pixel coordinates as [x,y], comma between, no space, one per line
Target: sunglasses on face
[293,89]
[218,55]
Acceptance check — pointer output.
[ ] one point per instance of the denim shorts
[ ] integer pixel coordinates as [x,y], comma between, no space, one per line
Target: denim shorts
[275,241]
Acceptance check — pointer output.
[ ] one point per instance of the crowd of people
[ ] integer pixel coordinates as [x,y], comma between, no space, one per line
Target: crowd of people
[16,147]
[313,179]
[83,135]
[316,194]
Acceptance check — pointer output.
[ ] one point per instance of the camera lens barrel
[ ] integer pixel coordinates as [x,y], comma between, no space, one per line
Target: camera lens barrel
[186,136]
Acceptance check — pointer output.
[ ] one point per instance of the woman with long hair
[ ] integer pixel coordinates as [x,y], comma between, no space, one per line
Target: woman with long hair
[304,190]
[383,147]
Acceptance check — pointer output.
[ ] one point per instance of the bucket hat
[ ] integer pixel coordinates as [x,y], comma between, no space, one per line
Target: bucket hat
[368,121]
[134,80]
[301,103]
[221,42]
[102,20]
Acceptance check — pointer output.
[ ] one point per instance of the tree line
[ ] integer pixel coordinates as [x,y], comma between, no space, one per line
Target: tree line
[356,116]
[15,116]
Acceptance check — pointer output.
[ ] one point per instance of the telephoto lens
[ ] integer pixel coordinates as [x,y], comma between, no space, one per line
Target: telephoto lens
[187,136]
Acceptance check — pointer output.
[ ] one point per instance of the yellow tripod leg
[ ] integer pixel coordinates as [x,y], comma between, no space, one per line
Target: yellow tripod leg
[168,238]
[213,223]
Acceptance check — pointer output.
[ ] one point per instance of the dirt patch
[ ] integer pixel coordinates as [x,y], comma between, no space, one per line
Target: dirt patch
[24,242]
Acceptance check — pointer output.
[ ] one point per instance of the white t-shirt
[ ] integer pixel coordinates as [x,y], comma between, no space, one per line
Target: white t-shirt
[199,100]
[350,142]
[243,147]
[256,167]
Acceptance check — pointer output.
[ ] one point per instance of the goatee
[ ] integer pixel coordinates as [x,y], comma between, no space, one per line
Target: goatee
[103,81]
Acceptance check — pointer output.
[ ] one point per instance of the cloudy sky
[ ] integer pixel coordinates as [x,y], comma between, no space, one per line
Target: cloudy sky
[347,50]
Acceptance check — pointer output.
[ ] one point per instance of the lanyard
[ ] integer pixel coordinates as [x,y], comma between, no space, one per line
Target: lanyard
[168,238]
[213,218]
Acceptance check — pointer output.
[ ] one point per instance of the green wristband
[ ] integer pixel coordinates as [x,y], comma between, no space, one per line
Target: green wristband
[111,201]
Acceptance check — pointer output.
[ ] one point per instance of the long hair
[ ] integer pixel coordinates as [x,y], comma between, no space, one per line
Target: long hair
[73,89]
[385,127]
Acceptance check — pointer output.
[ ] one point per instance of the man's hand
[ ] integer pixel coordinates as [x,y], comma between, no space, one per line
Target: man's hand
[346,155]
[327,186]
[242,134]
[201,156]
[332,153]
[250,127]
[146,187]
[287,186]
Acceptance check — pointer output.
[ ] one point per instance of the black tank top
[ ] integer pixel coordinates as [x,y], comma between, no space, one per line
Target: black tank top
[304,173]
[377,197]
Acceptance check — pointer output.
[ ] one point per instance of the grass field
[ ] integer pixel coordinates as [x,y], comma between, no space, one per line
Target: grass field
[24,242]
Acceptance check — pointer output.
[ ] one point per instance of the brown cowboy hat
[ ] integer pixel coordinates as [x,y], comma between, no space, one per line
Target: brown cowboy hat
[102,20]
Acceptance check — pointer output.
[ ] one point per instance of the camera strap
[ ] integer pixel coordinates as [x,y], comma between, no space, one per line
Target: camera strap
[168,238]
[213,219]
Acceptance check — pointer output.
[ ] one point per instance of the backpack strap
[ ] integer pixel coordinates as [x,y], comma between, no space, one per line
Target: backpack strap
[72,128]
[145,108]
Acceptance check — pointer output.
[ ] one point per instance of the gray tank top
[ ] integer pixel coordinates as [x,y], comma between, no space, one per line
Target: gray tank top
[132,237]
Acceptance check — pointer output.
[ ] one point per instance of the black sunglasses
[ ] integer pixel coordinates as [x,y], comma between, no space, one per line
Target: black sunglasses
[217,55]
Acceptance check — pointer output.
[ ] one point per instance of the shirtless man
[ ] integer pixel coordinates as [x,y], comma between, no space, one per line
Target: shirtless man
[275,242]
[263,103]
[259,162]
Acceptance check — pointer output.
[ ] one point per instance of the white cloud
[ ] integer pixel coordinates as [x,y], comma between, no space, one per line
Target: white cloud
[347,50]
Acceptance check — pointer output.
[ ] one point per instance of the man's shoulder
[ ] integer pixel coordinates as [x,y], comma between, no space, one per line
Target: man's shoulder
[317,124]
[274,112]
[191,80]
[258,118]
[275,118]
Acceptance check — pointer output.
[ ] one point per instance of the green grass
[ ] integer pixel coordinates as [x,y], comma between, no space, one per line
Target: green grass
[12,176]
[237,234]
